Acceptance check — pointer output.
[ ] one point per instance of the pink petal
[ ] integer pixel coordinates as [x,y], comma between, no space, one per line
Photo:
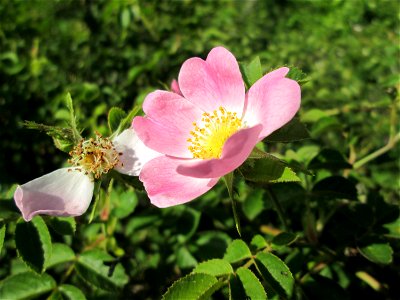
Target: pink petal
[175,87]
[160,138]
[272,101]
[173,111]
[213,83]
[59,193]
[236,150]
[134,153]
[165,187]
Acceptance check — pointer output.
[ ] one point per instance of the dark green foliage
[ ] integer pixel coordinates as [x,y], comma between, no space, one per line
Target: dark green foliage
[339,235]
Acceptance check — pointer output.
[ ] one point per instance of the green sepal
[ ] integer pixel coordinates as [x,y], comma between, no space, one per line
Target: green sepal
[251,72]
[115,116]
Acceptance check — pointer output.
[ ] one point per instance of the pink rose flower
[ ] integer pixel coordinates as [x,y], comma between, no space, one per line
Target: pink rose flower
[209,125]
[68,191]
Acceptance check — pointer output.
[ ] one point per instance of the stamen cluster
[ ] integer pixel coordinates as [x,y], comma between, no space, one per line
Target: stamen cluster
[208,140]
[95,156]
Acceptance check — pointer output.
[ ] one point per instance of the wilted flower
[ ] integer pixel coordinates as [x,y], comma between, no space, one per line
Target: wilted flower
[209,125]
[68,191]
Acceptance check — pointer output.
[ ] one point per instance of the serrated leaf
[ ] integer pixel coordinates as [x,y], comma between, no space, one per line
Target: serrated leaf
[288,175]
[284,238]
[377,252]
[262,170]
[236,251]
[61,253]
[329,159]
[26,285]
[33,242]
[193,286]
[2,234]
[215,267]
[335,187]
[291,132]
[236,290]
[252,286]
[276,273]
[90,266]
[63,225]
[71,292]
[258,242]
[115,116]
[252,71]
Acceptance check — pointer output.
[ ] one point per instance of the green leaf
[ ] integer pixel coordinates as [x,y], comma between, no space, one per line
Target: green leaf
[237,250]
[184,258]
[193,286]
[291,132]
[258,242]
[33,242]
[335,187]
[393,229]
[2,234]
[276,273]
[90,266]
[61,253]
[124,202]
[377,252]
[329,159]
[284,238]
[63,225]
[215,267]
[236,290]
[253,205]
[26,285]
[115,116]
[252,71]
[252,286]
[263,169]
[71,292]
[288,175]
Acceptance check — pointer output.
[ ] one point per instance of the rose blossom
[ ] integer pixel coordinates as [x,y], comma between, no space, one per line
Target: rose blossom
[209,125]
[68,191]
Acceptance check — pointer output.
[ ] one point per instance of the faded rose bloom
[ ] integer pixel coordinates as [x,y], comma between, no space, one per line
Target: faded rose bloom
[68,191]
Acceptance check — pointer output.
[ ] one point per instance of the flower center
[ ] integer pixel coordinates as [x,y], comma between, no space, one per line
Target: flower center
[208,139]
[95,156]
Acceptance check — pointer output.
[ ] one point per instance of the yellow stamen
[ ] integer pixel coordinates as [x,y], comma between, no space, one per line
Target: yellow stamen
[95,156]
[208,139]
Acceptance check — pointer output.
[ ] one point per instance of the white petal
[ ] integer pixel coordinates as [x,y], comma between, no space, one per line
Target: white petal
[64,192]
[134,153]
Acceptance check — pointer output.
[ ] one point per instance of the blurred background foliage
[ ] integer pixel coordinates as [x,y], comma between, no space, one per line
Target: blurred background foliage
[112,53]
